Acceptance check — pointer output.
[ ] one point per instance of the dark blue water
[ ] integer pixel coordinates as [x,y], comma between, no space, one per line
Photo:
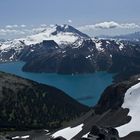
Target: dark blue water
[85,88]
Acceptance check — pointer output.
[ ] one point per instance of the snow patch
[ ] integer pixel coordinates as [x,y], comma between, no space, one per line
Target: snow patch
[121,46]
[46,130]
[20,137]
[68,133]
[107,42]
[98,45]
[63,51]
[89,56]
[86,135]
[25,137]
[16,137]
[132,102]
[77,43]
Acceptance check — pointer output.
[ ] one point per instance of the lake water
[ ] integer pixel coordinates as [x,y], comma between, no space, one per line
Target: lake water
[86,88]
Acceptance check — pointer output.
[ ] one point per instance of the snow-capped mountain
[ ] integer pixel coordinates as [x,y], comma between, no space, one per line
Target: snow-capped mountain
[63,35]
[92,55]
[64,49]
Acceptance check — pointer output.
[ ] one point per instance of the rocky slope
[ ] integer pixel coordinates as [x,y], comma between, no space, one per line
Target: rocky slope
[115,115]
[122,57]
[26,104]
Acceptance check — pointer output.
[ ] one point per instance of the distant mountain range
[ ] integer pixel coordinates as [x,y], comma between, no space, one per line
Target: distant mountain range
[2,40]
[65,50]
[131,37]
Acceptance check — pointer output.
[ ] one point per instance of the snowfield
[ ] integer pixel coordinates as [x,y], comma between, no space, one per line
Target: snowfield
[98,45]
[22,137]
[61,38]
[68,133]
[66,36]
[86,135]
[63,35]
[132,102]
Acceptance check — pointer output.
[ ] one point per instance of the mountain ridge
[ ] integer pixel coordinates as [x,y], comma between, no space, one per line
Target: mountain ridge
[70,46]
[109,117]
[131,36]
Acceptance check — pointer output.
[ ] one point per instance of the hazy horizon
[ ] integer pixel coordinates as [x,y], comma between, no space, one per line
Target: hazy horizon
[112,17]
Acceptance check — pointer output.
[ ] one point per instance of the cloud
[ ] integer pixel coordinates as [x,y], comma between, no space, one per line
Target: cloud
[43,25]
[129,25]
[23,26]
[109,25]
[69,21]
[5,32]
[15,26]
[106,25]
[11,26]
[20,30]
[37,30]
[98,28]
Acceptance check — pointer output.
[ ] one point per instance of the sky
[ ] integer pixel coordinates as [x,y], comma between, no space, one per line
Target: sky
[86,15]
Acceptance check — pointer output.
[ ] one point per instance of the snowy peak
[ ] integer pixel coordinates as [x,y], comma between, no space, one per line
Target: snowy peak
[56,29]
[61,34]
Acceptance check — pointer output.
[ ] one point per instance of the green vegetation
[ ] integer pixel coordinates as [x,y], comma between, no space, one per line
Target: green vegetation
[28,105]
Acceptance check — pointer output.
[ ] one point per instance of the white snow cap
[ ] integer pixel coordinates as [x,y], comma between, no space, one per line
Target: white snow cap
[61,34]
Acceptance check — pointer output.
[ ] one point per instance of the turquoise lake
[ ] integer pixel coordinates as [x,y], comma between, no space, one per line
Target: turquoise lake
[86,88]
